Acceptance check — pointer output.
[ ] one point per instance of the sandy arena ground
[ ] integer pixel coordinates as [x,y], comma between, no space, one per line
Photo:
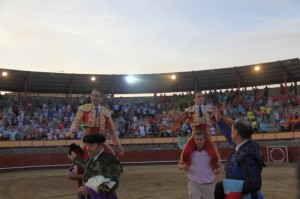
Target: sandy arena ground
[137,182]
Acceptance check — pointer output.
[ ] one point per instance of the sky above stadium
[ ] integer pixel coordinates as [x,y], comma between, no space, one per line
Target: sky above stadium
[145,36]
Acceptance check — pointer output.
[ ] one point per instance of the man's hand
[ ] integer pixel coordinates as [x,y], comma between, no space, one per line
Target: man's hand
[103,188]
[218,170]
[72,156]
[82,190]
[73,176]
[170,117]
[217,113]
[121,150]
[183,166]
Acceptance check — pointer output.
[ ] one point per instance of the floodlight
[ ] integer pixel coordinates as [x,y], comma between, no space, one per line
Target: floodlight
[173,77]
[93,78]
[4,73]
[257,68]
[130,79]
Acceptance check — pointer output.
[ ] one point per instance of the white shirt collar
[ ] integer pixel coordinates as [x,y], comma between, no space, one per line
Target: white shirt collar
[197,106]
[96,157]
[99,106]
[241,144]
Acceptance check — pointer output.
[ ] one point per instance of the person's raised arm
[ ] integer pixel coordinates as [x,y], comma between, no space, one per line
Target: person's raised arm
[177,118]
[225,126]
[76,160]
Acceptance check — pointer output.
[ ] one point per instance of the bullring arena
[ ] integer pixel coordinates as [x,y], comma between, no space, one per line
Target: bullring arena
[36,169]
[38,172]
[137,182]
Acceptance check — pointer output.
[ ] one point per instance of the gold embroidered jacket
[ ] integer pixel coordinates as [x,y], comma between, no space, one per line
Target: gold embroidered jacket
[86,115]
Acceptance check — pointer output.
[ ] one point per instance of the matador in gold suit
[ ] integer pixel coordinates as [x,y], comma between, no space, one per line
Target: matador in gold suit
[200,118]
[96,118]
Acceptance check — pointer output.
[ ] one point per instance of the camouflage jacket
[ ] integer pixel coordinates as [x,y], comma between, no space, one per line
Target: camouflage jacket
[106,165]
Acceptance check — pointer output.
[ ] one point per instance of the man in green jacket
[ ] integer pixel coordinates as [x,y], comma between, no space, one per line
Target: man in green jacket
[101,170]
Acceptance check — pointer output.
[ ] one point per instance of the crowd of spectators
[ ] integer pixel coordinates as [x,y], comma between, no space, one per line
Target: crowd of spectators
[50,118]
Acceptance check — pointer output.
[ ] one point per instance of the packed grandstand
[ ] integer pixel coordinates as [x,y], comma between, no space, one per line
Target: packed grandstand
[50,118]
[33,112]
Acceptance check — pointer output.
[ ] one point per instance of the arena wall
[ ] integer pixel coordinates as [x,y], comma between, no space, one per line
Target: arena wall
[38,159]
[138,141]
[278,147]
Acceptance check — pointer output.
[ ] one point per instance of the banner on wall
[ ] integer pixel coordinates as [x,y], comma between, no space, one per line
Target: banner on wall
[182,141]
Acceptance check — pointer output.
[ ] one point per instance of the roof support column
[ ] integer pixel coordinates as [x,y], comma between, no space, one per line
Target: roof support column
[238,79]
[19,99]
[295,88]
[285,93]
[25,94]
[285,85]
[70,90]
[195,81]
[238,83]
[154,94]
[112,97]
[155,103]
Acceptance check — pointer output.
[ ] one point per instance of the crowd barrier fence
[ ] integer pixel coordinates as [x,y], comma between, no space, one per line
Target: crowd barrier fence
[141,141]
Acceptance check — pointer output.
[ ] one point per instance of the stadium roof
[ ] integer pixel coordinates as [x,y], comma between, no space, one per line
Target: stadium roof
[46,82]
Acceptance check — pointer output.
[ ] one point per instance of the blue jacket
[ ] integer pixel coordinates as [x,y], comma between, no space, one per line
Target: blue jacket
[245,164]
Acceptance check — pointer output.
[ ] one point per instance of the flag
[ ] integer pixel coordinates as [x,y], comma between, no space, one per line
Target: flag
[233,189]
